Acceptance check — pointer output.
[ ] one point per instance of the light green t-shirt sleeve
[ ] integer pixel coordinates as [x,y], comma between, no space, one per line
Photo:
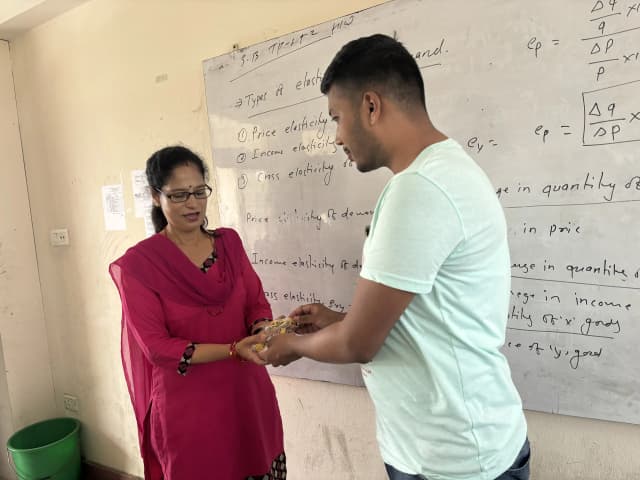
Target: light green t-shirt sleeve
[414,229]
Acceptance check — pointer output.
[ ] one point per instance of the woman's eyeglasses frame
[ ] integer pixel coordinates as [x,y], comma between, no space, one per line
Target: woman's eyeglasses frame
[199,193]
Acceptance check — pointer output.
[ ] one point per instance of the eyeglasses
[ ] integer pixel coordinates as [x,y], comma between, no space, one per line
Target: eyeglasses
[199,193]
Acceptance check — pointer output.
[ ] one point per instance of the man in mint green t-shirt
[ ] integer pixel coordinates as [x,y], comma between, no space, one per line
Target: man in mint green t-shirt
[428,316]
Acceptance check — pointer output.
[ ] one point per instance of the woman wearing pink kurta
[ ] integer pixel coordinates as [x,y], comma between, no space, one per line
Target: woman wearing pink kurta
[204,403]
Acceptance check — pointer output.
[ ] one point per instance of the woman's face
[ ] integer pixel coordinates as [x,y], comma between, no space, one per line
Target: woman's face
[186,215]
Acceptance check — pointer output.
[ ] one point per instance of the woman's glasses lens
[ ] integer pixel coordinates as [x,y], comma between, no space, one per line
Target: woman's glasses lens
[179,197]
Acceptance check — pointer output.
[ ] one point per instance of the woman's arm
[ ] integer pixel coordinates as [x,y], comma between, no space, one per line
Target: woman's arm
[145,319]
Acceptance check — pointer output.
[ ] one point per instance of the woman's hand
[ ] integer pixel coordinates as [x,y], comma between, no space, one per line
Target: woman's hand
[246,351]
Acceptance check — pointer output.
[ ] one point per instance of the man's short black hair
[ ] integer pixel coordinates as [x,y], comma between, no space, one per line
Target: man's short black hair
[378,61]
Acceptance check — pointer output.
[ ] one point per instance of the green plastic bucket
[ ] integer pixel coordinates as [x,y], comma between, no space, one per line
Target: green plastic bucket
[47,450]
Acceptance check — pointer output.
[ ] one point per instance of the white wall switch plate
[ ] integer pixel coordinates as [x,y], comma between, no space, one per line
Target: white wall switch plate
[59,237]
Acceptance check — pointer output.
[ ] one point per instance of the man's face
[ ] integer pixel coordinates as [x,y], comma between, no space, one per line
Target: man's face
[353,133]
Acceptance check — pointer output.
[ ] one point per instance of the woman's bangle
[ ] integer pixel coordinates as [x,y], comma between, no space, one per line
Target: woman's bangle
[233,351]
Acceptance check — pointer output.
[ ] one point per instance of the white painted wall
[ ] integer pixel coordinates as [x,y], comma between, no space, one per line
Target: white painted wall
[98,89]
[26,385]
[6,419]
[13,8]
[18,16]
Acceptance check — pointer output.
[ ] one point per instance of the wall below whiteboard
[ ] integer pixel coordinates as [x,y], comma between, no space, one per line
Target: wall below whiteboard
[329,433]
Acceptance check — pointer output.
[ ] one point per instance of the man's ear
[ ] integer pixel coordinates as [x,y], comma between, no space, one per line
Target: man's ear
[372,104]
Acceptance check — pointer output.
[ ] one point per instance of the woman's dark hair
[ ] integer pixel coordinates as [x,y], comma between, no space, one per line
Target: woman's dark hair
[160,167]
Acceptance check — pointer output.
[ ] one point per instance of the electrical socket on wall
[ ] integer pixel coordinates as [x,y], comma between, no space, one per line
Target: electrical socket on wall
[71,403]
[59,237]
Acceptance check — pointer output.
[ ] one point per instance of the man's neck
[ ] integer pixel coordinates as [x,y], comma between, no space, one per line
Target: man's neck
[415,139]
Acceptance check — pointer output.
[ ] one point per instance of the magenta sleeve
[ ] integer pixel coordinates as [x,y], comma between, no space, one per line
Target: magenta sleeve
[145,318]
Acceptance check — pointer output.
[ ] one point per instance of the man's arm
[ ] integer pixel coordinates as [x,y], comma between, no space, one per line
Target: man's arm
[356,339]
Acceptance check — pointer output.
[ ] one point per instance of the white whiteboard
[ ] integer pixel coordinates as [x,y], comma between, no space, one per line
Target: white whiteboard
[545,96]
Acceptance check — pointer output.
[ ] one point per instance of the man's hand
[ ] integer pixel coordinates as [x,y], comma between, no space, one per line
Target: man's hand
[313,317]
[280,350]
